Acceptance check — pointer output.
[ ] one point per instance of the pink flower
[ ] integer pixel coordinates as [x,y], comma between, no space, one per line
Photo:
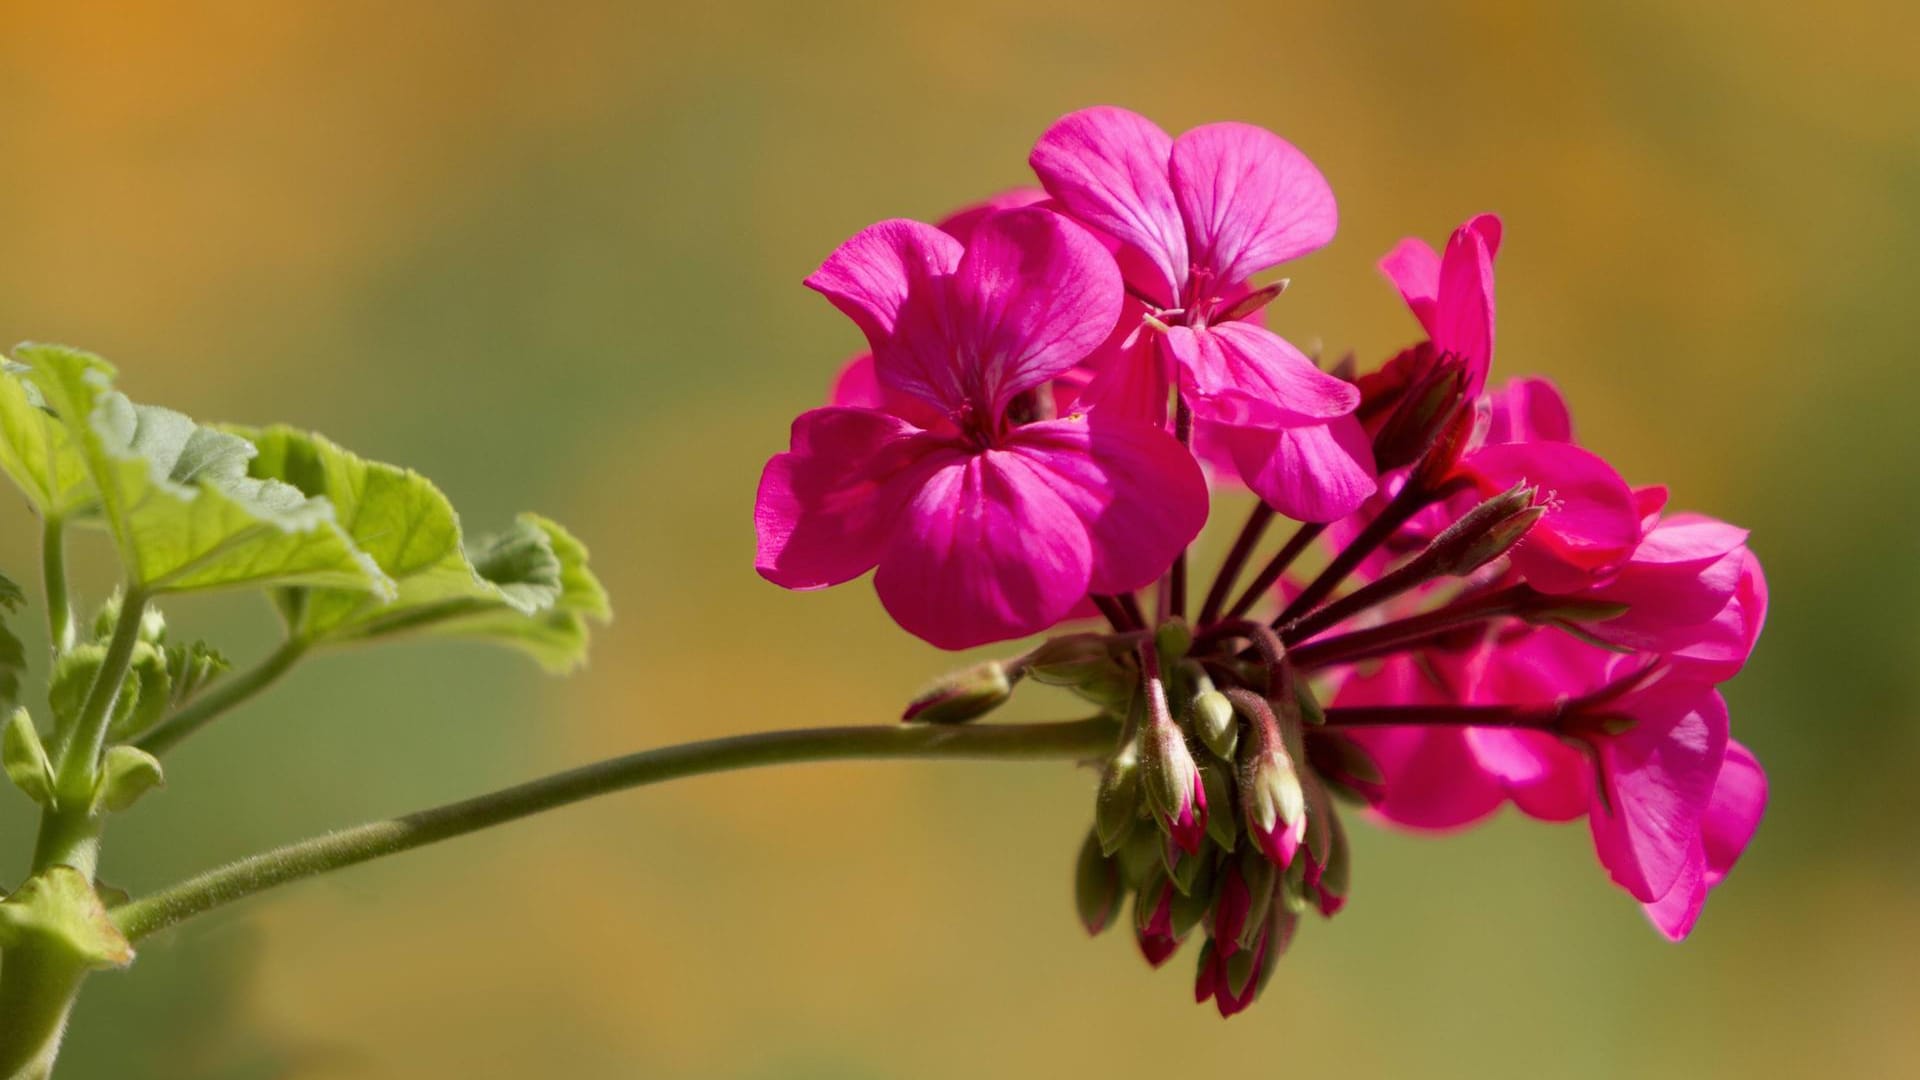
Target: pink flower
[983,528]
[1452,295]
[1193,219]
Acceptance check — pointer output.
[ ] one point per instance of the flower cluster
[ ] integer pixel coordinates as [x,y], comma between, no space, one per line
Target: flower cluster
[1059,379]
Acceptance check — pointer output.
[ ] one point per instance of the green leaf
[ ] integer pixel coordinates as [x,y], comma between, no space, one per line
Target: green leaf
[13,655]
[38,452]
[556,637]
[527,588]
[177,497]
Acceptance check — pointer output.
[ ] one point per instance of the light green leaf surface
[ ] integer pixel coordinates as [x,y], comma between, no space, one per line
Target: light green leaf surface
[527,588]
[37,450]
[184,512]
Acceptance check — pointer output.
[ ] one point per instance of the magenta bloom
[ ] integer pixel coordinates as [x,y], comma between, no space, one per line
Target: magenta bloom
[1193,219]
[983,528]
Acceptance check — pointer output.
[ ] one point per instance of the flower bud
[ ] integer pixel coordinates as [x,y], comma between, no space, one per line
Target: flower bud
[1420,415]
[1214,722]
[1096,886]
[964,695]
[1437,464]
[1173,638]
[1485,532]
[1172,780]
[1153,921]
[1222,828]
[1071,660]
[1116,806]
[1276,805]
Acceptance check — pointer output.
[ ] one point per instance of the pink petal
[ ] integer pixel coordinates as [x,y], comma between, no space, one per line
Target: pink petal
[1723,645]
[1463,316]
[1733,814]
[1246,374]
[1034,295]
[858,387]
[1546,778]
[1316,472]
[961,223]
[1592,523]
[1529,410]
[1138,492]
[827,508]
[1414,268]
[1250,200]
[1108,168]
[1431,778]
[1131,375]
[1658,778]
[985,551]
[1675,914]
[887,280]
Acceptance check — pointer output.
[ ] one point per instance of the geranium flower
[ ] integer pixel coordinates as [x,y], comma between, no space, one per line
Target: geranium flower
[982,528]
[1193,219]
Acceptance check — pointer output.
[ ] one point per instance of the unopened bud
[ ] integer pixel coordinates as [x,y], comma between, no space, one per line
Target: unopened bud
[1214,722]
[1485,532]
[1097,887]
[964,695]
[1070,660]
[1153,921]
[1276,806]
[1222,828]
[1419,417]
[1262,880]
[1172,781]
[1443,453]
[1116,806]
[126,773]
[1173,638]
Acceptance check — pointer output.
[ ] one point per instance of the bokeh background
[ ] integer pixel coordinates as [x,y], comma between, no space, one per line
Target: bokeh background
[550,255]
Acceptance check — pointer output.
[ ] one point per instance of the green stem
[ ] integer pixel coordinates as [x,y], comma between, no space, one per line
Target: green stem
[225,695]
[236,881]
[53,572]
[79,752]
[38,987]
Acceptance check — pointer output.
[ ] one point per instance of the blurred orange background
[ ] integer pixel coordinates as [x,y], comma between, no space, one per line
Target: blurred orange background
[549,254]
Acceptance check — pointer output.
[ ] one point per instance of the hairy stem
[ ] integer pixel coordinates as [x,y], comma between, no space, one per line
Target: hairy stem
[1409,502]
[1402,633]
[79,752]
[1236,561]
[236,881]
[226,695]
[53,574]
[1297,543]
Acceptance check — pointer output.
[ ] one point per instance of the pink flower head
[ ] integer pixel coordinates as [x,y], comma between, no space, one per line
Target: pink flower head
[983,527]
[1193,219]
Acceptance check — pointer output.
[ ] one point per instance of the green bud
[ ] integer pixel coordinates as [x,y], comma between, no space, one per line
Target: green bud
[1185,870]
[1189,908]
[1241,970]
[152,698]
[1069,660]
[153,624]
[964,695]
[1097,888]
[1214,722]
[72,680]
[1223,828]
[1262,880]
[1173,639]
[127,773]
[25,759]
[1116,806]
[1141,857]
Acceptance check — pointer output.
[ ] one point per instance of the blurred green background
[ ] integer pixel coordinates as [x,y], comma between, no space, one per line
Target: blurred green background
[550,254]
